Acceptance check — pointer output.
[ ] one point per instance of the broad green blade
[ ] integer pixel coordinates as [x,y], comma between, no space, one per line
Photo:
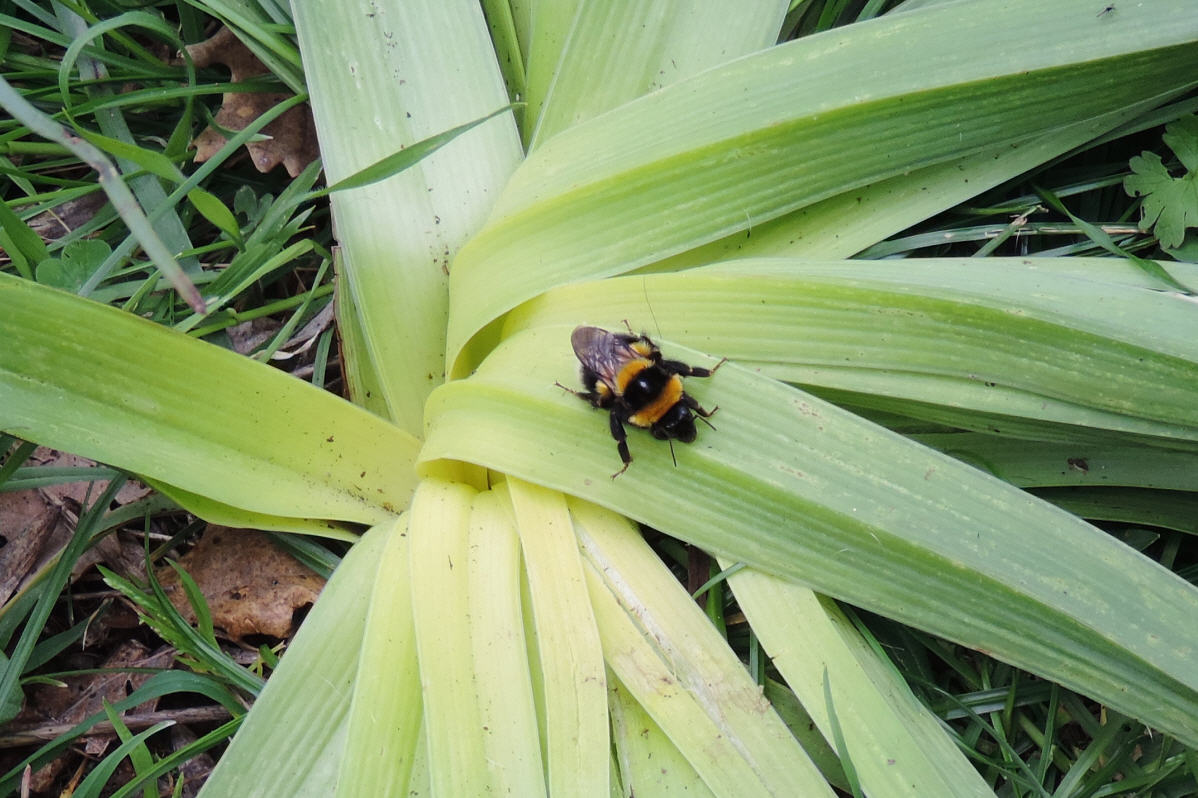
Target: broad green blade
[380,81]
[1162,508]
[544,28]
[215,512]
[295,747]
[385,712]
[570,658]
[499,650]
[1052,464]
[92,380]
[805,491]
[896,745]
[362,381]
[1056,341]
[648,761]
[621,49]
[439,581]
[773,132]
[843,225]
[666,652]
[801,725]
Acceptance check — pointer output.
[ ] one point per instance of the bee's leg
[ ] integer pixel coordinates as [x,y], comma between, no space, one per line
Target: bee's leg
[698,410]
[679,367]
[587,396]
[617,432]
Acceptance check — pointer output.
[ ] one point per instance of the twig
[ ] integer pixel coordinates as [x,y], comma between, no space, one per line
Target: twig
[50,731]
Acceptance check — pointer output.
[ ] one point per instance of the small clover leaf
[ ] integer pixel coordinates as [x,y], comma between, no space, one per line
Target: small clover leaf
[1170,203]
[79,261]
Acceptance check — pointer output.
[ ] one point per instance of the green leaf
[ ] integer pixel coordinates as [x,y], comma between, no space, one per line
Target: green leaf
[1066,463]
[432,69]
[386,711]
[673,42]
[153,162]
[570,668]
[1165,509]
[190,414]
[773,132]
[403,159]
[847,223]
[890,741]
[439,526]
[296,747]
[79,260]
[216,512]
[1057,347]
[810,493]
[669,655]
[202,652]
[199,604]
[216,212]
[91,786]
[29,243]
[1182,137]
[1170,203]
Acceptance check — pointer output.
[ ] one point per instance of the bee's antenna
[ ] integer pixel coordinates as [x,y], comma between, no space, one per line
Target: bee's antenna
[672,457]
[645,291]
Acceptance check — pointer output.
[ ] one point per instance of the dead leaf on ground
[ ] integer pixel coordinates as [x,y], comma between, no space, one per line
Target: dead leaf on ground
[68,216]
[195,771]
[85,695]
[36,524]
[251,585]
[248,336]
[292,136]
[27,524]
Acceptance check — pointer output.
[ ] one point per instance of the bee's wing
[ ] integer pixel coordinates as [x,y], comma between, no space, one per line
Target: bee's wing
[601,352]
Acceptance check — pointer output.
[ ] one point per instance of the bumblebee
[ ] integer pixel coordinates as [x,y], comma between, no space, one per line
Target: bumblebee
[626,375]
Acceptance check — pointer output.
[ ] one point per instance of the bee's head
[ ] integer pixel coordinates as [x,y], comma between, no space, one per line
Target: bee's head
[678,423]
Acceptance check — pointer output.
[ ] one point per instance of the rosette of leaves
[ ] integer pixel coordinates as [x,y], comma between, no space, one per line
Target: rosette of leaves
[502,627]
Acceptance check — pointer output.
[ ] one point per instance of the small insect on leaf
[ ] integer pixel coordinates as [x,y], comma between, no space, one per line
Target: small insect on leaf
[626,375]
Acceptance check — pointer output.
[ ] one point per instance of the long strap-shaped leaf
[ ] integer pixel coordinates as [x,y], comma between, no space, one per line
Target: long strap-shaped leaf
[405,81]
[93,380]
[1089,345]
[803,490]
[778,130]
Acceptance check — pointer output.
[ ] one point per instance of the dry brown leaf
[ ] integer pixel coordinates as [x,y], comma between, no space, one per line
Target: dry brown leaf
[252,586]
[292,136]
[36,524]
[249,336]
[195,771]
[27,523]
[67,216]
[83,696]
